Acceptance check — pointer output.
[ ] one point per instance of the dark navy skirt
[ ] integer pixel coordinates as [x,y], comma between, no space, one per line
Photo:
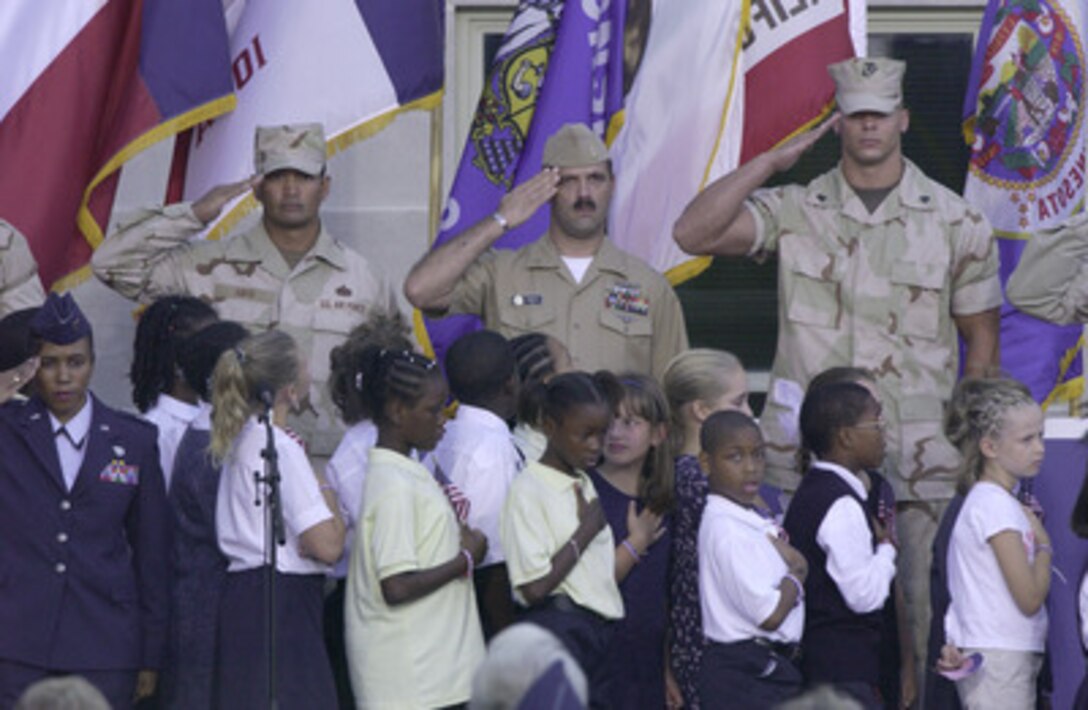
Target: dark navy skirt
[303,673]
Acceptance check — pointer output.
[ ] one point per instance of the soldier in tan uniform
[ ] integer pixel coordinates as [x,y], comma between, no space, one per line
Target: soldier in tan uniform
[609,308]
[288,272]
[20,286]
[1051,280]
[879,267]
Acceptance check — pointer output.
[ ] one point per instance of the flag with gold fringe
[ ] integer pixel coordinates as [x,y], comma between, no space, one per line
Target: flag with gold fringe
[352,65]
[559,62]
[87,85]
[1024,121]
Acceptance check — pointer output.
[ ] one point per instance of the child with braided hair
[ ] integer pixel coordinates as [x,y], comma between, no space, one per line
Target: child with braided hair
[413,632]
[999,555]
[159,390]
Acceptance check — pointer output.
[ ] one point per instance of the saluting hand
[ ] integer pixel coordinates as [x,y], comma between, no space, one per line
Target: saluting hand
[519,204]
[475,542]
[786,155]
[214,200]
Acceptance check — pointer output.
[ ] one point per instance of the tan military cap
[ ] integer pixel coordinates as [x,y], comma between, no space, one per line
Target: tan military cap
[298,147]
[574,146]
[868,84]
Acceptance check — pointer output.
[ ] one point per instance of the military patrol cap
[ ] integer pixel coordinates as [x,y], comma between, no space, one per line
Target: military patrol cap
[868,84]
[574,146]
[16,345]
[59,321]
[297,147]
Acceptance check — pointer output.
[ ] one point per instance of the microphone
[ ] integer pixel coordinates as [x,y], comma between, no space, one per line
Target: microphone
[265,395]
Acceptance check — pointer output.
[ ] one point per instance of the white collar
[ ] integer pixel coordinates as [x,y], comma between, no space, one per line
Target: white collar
[742,514]
[78,426]
[203,418]
[851,480]
[174,407]
[481,418]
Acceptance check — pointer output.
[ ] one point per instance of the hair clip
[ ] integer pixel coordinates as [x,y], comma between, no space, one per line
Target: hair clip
[240,354]
[359,381]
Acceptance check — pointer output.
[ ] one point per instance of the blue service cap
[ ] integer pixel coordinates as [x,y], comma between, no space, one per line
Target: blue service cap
[59,321]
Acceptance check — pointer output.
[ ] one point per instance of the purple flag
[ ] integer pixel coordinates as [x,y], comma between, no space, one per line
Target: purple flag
[559,63]
[1022,117]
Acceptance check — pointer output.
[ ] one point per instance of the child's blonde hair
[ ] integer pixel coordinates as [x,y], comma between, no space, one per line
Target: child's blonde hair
[266,361]
[978,408]
[642,397]
[696,374]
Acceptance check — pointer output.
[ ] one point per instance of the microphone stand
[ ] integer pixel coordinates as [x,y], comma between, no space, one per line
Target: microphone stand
[273,537]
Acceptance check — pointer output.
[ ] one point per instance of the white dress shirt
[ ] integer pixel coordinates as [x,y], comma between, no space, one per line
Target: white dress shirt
[346,473]
[172,417]
[479,456]
[72,447]
[863,576]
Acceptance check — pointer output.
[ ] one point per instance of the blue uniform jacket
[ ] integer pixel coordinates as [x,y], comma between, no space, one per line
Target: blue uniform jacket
[83,573]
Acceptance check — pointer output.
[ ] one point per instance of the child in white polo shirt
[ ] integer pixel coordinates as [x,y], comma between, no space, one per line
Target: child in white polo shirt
[750,579]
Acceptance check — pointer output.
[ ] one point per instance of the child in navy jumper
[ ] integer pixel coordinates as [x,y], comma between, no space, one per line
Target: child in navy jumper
[850,555]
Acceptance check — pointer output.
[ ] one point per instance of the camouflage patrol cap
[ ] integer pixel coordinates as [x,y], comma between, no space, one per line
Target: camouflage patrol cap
[868,84]
[60,321]
[298,147]
[574,146]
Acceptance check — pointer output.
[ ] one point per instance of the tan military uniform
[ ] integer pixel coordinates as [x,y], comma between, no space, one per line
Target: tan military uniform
[20,286]
[623,316]
[876,291]
[1051,280]
[330,291]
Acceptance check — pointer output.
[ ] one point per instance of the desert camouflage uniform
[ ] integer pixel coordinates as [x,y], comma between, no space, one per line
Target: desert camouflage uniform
[623,316]
[20,286]
[878,291]
[330,291]
[1051,280]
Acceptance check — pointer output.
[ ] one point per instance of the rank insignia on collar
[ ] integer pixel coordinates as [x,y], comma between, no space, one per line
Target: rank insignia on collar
[527,299]
[627,298]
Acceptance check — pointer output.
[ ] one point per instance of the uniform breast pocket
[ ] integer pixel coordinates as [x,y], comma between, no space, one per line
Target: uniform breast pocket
[813,284]
[331,325]
[629,325]
[919,290]
[526,317]
[252,308]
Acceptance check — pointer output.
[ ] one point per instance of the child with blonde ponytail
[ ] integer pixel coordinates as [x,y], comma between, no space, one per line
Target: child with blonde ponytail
[264,372]
[999,555]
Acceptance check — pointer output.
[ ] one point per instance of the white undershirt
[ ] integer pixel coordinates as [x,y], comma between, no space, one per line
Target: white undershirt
[71,457]
[577,266]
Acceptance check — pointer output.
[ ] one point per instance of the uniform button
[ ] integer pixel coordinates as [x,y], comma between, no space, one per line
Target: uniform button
[62,537]
[66,504]
[61,568]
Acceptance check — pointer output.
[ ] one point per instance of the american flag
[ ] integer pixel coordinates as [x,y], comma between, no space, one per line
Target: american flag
[460,502]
